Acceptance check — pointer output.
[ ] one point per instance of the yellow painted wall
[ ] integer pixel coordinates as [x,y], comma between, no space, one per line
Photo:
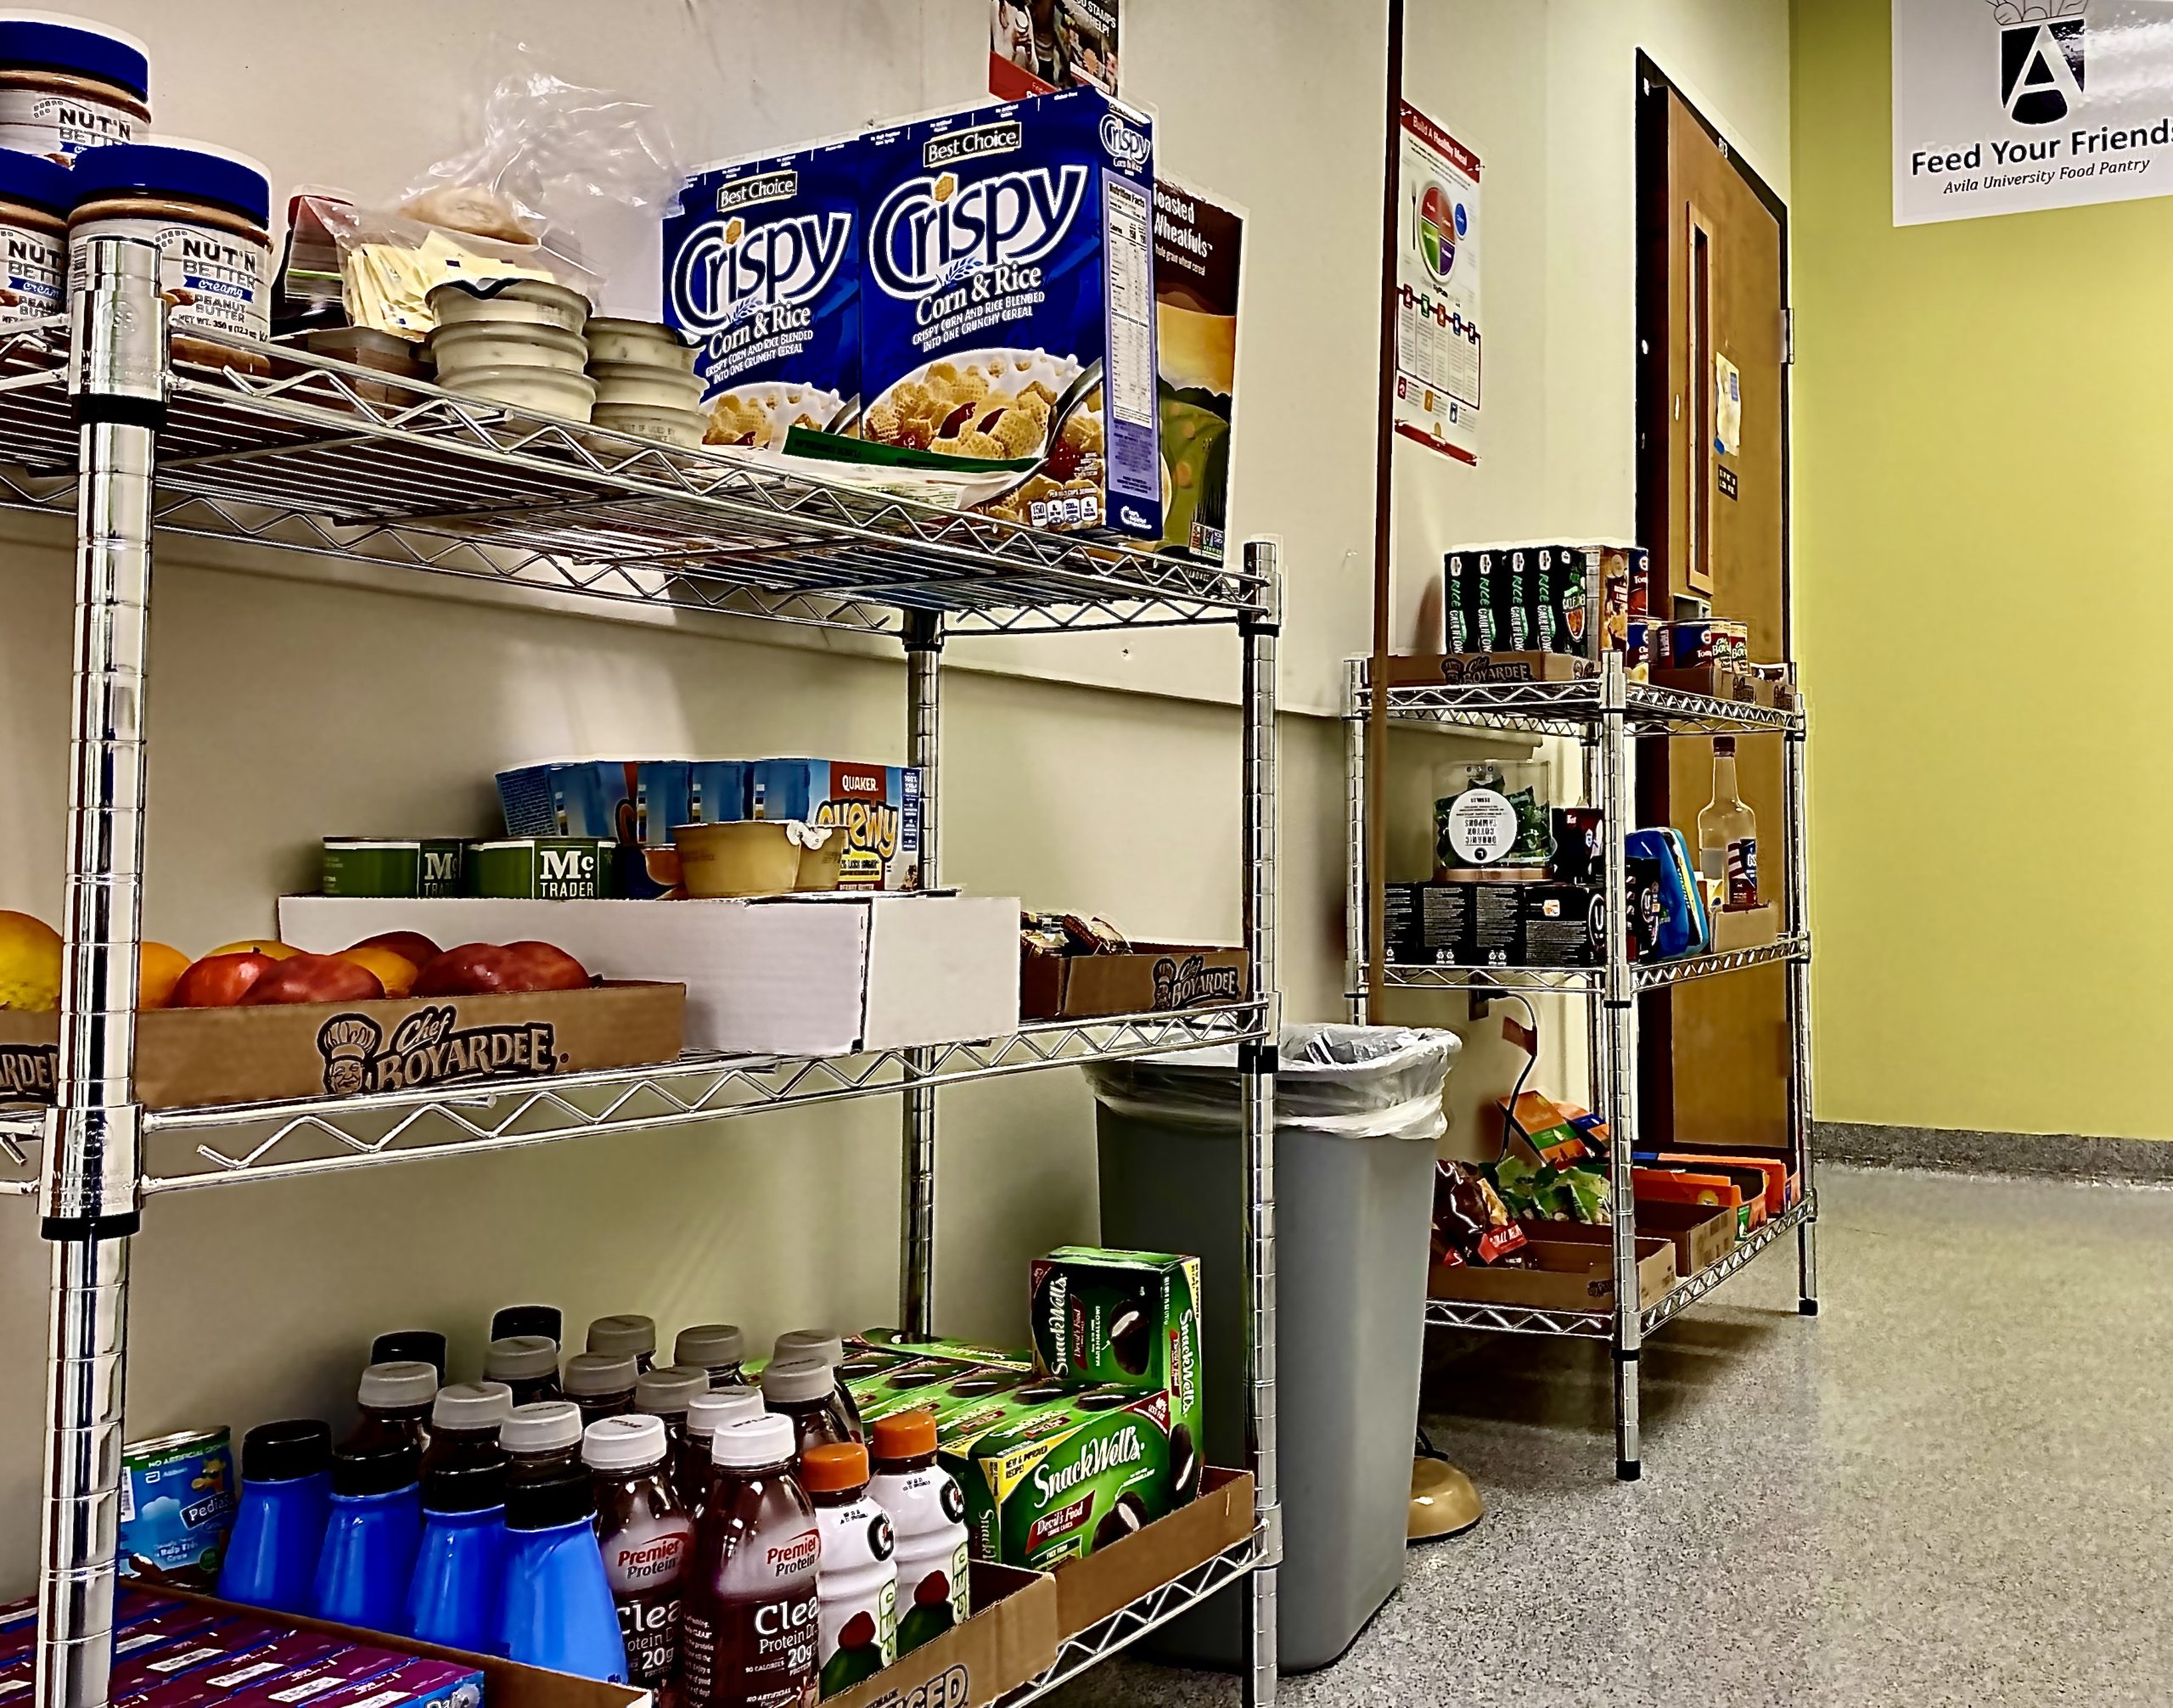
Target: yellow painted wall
[1984,428]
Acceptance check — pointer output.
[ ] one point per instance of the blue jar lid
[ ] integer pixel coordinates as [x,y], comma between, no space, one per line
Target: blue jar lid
[36,182]
[79,50]
[187,174]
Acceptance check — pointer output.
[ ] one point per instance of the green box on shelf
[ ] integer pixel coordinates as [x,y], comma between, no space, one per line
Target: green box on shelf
[542,868]
[382,866]
[1128,1319]
[1096,1470]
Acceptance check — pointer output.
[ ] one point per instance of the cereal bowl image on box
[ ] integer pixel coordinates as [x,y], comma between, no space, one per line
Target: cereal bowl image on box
[1008,303]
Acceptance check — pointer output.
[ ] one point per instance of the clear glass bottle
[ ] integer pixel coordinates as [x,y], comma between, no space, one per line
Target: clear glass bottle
[1727,838]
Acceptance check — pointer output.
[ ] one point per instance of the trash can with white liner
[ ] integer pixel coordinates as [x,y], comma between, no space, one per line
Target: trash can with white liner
[1357,1111]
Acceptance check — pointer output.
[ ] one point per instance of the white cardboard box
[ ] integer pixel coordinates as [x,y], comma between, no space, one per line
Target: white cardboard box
[809,975]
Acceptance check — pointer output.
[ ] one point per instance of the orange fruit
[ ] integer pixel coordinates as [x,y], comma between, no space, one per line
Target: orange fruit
[159,967]
[30,963]
[251,946]
[396,973]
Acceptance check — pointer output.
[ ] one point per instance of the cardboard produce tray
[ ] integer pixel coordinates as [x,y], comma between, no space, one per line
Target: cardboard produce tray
[187,1058]
[1439,669]
[1573,1274]
[1155,978]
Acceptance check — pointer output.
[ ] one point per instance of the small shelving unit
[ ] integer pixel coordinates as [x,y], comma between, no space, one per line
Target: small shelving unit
[1607,714]
[274,445]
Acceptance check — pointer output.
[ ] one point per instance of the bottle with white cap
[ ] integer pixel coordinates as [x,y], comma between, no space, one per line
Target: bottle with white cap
[629,1334]
[541,1441]
[805,1391]
[718,1409]
[666,1392]
[602,1383]
[718,1347]
[465,1419]
[527,1364]
[752,1619]
[647,1539]
[395,1400]
[829,1346]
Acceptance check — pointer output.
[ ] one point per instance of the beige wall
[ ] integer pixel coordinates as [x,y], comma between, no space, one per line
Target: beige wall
[291,700]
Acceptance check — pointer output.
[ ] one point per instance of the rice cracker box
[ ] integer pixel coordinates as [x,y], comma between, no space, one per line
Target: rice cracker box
[762,269]
[1008,302]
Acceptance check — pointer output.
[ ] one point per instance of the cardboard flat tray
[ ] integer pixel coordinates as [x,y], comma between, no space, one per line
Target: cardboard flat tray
[1701,1234]
[1153,978]
[187,1057]
[1746,928]
[810,975]
[1090,1590]
[1429,670]
[1574,1275]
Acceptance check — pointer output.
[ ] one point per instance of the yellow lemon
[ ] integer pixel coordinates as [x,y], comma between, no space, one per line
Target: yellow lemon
[29,963]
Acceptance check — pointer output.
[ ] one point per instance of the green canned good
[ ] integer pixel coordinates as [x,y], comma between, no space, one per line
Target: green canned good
[542,868]
[371,866]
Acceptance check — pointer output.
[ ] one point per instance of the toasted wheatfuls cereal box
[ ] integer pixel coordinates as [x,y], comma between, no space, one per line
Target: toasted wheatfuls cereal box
[1008,302]
[761,267]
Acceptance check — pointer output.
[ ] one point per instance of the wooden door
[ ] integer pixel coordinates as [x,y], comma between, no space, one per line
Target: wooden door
[1713,505]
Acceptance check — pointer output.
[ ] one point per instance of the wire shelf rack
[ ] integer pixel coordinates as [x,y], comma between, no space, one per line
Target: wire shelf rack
[1647,976]
[275,446]
[219,1146]
[1128,1623]
[1566,708]
[1599,1325]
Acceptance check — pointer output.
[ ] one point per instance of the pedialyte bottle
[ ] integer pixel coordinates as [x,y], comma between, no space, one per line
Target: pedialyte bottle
[753,1613]
[718,1347]
[460,1567]
[857,1587]
[718,1409]
[629,1334]
[647,1537]
[557,1611]
[370,1536]
[805,1390]
[528,1364]
[928,1516]
[286,1496]
[829,1346]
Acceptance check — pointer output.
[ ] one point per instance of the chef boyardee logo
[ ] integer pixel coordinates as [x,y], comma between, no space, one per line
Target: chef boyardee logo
[935,228]
[429,1047]
[27,1072]
[2041,59]
[1180,983]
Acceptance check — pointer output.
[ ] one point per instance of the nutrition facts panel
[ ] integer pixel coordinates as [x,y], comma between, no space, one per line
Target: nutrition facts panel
[1130,376]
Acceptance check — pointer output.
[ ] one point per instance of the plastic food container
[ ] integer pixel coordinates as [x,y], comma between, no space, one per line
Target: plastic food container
[531,301]
[650,341]
[207,211]
[644,383]
[35,195]
[681,427]
[68,84]
[757,857]
[548,390]
[463,346]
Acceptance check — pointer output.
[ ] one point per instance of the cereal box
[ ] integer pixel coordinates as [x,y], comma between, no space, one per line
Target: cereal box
[1199,252]
[877,806]
[762,268]
[1008,303]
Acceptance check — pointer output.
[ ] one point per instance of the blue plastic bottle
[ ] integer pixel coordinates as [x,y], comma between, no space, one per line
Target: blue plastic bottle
[369,1556]
[460,1567]
[558,1611]
[286,1495]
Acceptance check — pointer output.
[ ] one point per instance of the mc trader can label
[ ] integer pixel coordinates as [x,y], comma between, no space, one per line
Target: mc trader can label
[178,1501]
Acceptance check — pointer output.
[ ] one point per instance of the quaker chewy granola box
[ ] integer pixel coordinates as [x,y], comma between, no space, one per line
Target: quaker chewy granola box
[1008,302]
[878,808]
[761,268]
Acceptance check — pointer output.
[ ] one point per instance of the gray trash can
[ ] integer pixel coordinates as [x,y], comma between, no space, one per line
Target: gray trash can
[1357,1110]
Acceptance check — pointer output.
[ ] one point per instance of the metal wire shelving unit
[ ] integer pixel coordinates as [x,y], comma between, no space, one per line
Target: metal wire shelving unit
[1607,714]
[231,438]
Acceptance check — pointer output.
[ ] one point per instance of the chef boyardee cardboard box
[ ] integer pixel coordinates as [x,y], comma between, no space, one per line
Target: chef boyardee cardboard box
[761,268]
[1057,1487]
[878,806]
[1128,1319]
[1008,261]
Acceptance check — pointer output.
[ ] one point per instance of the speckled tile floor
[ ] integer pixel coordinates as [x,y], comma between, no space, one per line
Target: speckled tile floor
[1952,1487]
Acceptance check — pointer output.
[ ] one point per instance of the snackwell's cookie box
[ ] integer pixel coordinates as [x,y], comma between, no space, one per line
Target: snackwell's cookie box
[762,268]
[1007,251]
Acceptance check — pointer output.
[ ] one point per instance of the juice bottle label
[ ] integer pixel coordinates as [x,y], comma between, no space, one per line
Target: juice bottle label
[754,1645]
[644,1561]
[859,1594]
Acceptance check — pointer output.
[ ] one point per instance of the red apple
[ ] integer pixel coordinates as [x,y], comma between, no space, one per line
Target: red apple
[219,981]
[412,947]
[315,979]
[472,969]
[544,967]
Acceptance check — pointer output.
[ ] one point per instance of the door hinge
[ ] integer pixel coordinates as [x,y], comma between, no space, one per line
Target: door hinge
[1789,337]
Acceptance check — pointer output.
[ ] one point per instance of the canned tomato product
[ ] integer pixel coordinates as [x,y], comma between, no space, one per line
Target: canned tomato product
[178,1501]
[1693,643]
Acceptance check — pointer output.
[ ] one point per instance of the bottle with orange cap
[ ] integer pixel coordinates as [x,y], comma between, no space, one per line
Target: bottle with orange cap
[857,1585]
[928,1517]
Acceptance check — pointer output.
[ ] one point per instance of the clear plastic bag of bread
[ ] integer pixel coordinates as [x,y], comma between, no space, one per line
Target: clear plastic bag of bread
[563,182]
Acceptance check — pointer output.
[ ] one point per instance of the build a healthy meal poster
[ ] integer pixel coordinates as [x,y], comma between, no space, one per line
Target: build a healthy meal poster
[1035,46]
[2006,106]
[1438,343]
